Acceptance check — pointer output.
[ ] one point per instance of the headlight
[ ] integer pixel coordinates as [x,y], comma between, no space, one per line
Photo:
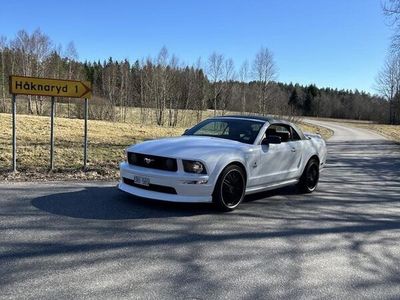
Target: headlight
[192,166]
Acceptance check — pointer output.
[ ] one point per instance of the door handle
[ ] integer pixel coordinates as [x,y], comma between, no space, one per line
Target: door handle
[293,149]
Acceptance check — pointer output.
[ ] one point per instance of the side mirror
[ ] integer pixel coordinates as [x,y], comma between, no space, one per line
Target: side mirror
[271,139]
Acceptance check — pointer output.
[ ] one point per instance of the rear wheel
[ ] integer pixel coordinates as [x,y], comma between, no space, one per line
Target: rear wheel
[230,188]
[309,179]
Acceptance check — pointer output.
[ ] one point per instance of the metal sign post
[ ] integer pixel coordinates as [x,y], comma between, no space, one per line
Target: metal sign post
[85,140]
[14,133]
[53,104]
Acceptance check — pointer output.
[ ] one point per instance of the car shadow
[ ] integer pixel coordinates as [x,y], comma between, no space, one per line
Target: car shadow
[109,203]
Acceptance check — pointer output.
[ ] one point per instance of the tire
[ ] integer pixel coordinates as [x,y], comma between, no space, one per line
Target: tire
[230,188]
[310,177]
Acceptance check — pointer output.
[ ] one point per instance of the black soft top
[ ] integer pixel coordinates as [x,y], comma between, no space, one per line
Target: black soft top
[268,119]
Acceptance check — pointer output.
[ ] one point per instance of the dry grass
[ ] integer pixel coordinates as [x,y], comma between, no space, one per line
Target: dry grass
[310,128]
[391,132]
[107,142]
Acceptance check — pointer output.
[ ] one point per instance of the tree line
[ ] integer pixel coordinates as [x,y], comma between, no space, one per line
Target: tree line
[162,86]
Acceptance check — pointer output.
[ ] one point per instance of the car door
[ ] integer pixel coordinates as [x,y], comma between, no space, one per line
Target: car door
[275,159]
[296,147]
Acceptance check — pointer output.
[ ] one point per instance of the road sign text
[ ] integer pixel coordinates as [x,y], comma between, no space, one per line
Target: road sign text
[49,87]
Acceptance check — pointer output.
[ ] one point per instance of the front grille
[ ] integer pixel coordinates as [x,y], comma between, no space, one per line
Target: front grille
[152,187]
[152,161]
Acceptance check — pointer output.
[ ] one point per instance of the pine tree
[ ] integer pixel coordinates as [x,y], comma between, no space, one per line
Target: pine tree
[294,100]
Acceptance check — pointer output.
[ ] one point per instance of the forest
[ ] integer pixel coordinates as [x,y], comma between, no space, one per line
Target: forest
[162,86]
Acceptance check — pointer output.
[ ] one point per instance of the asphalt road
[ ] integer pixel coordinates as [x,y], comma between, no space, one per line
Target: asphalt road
[88,240]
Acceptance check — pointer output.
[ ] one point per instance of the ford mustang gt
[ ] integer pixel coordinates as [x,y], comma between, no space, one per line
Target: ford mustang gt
[222,159]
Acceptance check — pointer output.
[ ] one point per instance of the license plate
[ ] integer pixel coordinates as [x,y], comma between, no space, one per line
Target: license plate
[141,180]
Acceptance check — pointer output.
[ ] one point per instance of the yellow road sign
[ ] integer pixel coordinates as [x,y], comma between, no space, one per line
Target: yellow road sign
[50,87]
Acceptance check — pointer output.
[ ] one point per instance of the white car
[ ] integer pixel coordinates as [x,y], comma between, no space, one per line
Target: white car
[222,159]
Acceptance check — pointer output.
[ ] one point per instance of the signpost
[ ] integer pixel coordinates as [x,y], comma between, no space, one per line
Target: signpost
[22,85]
[49,87]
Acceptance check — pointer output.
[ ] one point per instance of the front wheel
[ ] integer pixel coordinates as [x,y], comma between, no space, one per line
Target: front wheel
[230,188]
[309,179]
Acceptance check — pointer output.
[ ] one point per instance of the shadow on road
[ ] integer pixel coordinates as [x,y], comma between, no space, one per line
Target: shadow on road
[108,203]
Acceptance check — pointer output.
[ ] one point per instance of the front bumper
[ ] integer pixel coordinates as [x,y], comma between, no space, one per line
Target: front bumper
[183,183]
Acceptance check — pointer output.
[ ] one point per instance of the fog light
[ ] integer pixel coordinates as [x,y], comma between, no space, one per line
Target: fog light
[201,181]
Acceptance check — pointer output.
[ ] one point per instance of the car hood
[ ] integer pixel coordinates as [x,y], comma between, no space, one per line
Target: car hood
[188,147]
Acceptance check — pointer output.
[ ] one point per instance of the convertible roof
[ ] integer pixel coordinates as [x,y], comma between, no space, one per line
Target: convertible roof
[252,117]
[268,119]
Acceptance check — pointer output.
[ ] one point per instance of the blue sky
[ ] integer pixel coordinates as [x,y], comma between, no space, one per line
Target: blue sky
[335,43]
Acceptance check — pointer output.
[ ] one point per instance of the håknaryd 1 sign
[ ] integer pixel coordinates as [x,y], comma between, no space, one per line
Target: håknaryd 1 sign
[23,85]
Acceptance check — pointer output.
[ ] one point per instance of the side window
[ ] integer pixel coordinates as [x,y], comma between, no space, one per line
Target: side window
[281,130]
[295,135]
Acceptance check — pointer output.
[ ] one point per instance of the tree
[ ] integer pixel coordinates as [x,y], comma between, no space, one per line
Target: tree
[243,76]
[32,51]
[228,76]
[388,82]
[41,49]
[72,57]
[294,101]
[311,94]
[3,44]
[199,90]
[391,9]
[215,71]
[264,71]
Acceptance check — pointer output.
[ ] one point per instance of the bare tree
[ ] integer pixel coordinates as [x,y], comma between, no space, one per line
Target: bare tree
[391,9]
[173,91]
[388,83]
[41,49]
[124,89]
[71,56]
[243,77]
[110,85]
[3,44]
[161,85]
[228,77]
[264,71]
[23,54]
[32,50]
[200,90]
[215,71]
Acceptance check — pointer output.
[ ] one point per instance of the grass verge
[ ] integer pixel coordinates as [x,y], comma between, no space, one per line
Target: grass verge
[391,132]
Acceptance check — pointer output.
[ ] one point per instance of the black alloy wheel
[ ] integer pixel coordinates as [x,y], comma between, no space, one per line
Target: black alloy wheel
[230,188]
[310,177]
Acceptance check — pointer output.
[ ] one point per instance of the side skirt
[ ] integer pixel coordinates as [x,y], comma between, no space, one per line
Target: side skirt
[273,186]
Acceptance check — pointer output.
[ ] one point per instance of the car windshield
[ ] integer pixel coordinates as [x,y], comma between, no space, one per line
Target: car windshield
[240,130]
